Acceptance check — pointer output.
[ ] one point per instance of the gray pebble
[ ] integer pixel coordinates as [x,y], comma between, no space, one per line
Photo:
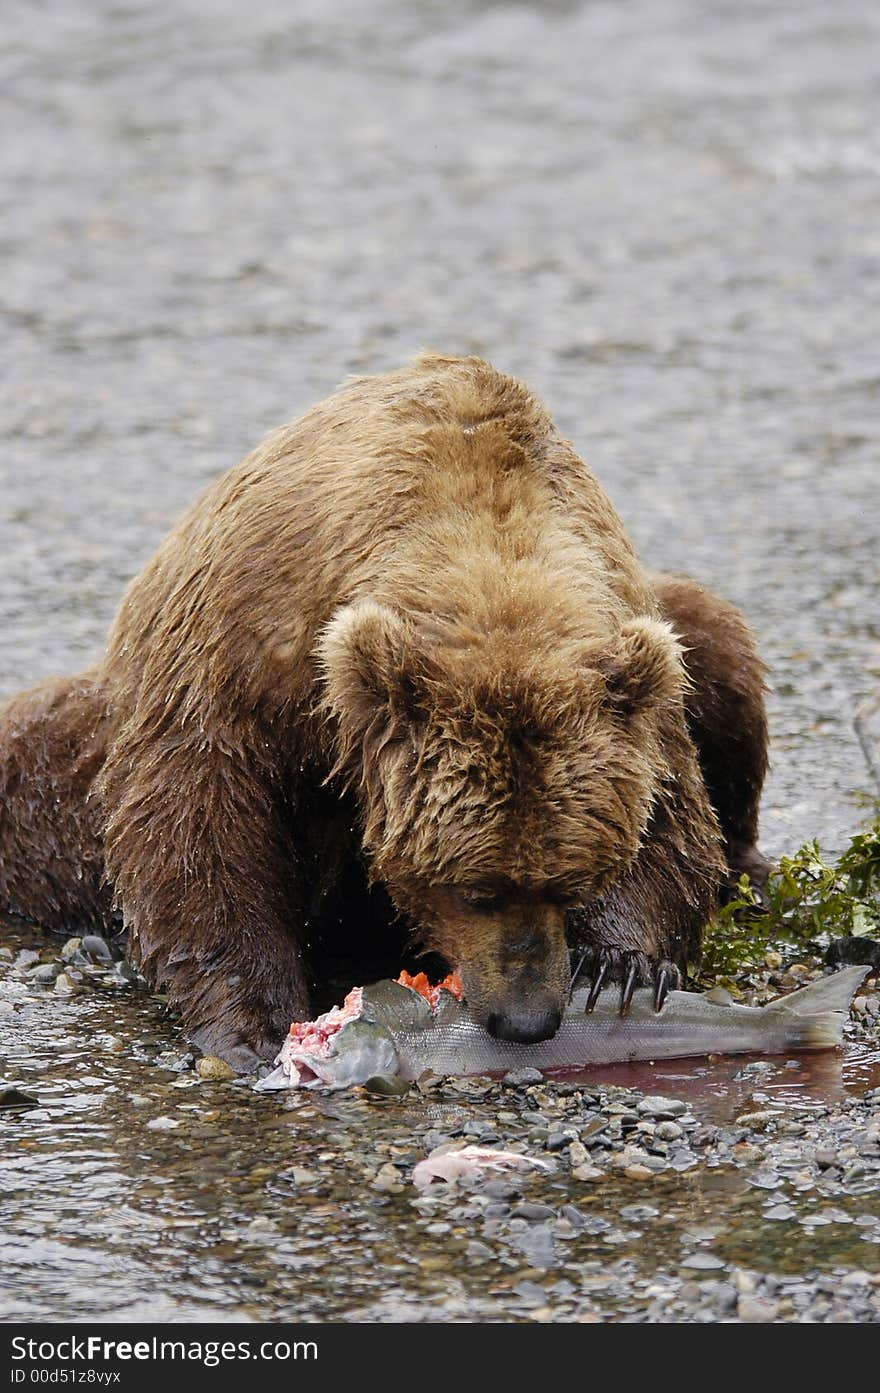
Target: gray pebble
[573,1215]
[825,1156]
[703,1262]
[500,1190]
[662,1108]
[534,1212]
[765,1180]
[557,1141]
[758,1067]
[683,1160]
[636,1213]
[755,1309]
[97,948]
[45,973]
[779,1211]
[668,1131]
[479,1252]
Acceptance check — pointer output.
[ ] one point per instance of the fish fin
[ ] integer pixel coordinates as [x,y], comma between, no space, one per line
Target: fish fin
[268,1084]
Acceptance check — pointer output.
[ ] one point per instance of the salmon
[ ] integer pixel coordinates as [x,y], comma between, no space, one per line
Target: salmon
[390,1029]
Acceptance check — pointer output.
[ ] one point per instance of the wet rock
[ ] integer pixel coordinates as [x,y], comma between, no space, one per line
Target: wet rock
[388,1179]
[26,957]
[45,974]
[300,1175]
[744,1153]
[766,1180]
[520,1078]
[262,1228]
[662,1108]
[578,1155]
[703,1262]
[758,1120]
[65,984]
[71,948]
[15,1100]
[779,1211]
[479,1252]
[177,1063]
[558,1141]
[163,1124]
[96,948]
[668,1131]
[500,1189]
[638,1213]
[756,1309]
[534,1212]
[537,1245]
[745,1281]
[123,975]
[588,1173]
[682,1159]
[387,1086]
[755,1069]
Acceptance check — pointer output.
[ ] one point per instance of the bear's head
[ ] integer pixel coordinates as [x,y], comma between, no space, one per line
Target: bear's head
[502,782]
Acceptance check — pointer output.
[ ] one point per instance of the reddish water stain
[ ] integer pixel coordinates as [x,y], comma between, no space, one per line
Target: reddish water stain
[724,1087]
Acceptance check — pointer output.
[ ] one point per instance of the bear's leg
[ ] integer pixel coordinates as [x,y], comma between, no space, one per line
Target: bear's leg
[52,742]
[197,851]
[646,930]
[725,713]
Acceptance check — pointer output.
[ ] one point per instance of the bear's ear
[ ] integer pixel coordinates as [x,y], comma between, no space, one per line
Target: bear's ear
[645,668]
[369,662]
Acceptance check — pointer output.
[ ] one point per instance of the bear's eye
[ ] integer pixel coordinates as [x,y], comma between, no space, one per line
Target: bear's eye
[563,896]
[485,901]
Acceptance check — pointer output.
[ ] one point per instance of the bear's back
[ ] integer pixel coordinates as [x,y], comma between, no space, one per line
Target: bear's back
[442,487]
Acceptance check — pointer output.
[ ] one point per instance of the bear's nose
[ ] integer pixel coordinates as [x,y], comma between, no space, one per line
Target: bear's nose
[527,1027]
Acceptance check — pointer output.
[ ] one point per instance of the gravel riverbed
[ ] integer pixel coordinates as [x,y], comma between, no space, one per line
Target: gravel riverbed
[724,1189]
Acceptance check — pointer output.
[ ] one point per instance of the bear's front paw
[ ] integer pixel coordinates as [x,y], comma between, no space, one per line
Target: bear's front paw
[244,1056]
[601,966]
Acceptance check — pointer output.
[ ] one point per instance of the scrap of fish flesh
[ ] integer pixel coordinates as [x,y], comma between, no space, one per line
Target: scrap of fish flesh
[389,1028]
[450,1163]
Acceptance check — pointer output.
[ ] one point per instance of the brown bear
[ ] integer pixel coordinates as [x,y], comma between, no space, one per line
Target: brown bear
[399,671]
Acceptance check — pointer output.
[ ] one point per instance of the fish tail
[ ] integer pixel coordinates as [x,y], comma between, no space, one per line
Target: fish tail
[813,1018]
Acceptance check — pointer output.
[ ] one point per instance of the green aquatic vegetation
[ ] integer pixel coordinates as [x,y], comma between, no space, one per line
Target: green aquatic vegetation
[806,902]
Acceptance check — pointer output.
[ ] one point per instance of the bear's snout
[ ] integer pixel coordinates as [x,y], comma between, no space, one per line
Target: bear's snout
[526,1027]
[517,985]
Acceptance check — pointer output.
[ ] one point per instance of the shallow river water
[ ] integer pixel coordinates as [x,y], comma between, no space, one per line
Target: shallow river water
[663,214]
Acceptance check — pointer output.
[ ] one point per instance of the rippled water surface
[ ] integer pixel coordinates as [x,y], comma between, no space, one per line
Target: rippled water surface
[664,215]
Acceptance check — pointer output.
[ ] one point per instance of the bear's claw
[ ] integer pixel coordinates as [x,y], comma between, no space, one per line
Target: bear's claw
[631,969]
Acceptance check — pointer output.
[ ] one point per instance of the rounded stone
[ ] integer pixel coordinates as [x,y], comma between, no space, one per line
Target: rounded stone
[211,1068]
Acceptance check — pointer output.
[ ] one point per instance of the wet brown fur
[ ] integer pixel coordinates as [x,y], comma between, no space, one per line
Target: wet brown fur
[407,632]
